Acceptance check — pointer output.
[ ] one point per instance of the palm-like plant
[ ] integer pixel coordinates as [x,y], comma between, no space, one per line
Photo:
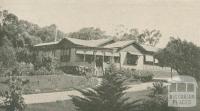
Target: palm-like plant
[109,96]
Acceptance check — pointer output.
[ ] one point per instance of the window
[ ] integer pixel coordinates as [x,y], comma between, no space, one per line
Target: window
[132,59]
[65,55]
[149,59]
[117,59]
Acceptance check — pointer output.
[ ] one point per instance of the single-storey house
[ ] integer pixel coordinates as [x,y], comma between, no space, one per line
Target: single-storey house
[102,53]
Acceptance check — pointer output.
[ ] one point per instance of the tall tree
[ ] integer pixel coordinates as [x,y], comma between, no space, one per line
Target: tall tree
[149,37]
[109,96]
[182,56]
[88,33]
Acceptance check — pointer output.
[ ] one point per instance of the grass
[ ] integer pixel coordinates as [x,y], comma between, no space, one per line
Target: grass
[68,105]
[54,106]
[51,83]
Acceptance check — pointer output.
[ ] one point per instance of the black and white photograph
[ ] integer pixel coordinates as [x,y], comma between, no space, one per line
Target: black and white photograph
[99,55]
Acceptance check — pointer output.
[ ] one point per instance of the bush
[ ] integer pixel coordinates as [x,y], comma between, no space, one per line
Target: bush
[23,69]
[48,62]
[78,69]
[126,72]
[156,103]
[144,76]
[14,100]
[158,88]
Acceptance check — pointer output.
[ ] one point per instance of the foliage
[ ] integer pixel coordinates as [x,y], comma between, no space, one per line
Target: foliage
[88,33]
[7,56]
[42,71]
[46,61]
[78,70]
[14,100]
[21,33]
[158,88]
[48,33]
[156,103]
[144,76]
[109,96]
[24,55]
[182,56]
[149,37]
[23,69]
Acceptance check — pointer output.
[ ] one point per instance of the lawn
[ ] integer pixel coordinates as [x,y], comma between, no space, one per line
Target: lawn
[51,83]
[54,106]
[68,105]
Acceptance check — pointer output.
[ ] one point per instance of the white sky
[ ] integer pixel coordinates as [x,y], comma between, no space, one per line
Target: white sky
[172,17]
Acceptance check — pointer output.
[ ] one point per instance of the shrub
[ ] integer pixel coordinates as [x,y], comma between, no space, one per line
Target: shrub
[48,62]
[144,76]
[23,69]
[14,100]
[78,69]
[42,71]
[156,103]
[158,88]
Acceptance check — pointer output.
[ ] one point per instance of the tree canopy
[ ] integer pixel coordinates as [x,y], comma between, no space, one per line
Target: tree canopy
[21,32]
[88,33]
[149,37]
[182,56]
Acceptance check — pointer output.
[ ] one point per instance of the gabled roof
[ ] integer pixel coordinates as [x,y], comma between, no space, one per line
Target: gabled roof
[119,44]
[88,43]
[122,44]
[149,48]
[47,43]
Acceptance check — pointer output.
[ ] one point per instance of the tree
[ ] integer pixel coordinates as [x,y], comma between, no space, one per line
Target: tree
[149,37]
[7,56]
[48,33]
[182,56]
[14,100]
[88,33]
[24,55]
[109,96]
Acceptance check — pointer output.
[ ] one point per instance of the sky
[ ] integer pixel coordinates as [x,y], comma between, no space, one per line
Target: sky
[177,18]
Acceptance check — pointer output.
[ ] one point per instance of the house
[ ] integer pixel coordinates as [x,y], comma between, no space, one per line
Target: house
[102,53]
